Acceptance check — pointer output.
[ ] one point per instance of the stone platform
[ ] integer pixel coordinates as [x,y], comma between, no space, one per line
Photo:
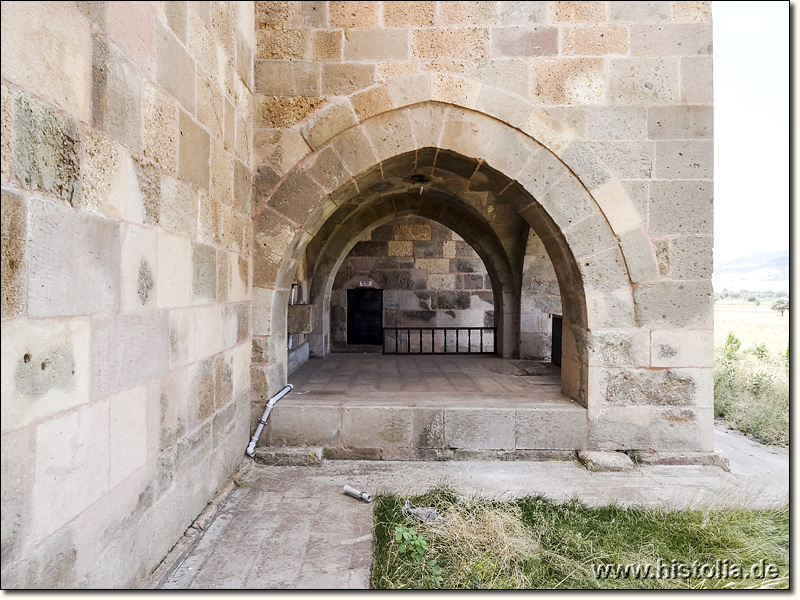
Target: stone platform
[427,407]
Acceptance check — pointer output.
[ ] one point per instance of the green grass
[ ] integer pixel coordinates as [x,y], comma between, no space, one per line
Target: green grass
[536,543]
[751,390]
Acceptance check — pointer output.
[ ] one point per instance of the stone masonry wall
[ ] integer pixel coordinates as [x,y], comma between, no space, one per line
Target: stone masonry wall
[618,93]
[430,278]
[126,235]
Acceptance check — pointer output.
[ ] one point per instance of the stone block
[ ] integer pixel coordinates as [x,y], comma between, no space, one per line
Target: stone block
[679,348]
[332,119]
[541,174]
[299,196]
[600,461]
[194,154]
[625,428]
[696,80]
[640,12]
[160,141]
[514,13]
[131,26]
[691,257]
[674,304]
[535,346]
[596,40]
[297,424]
[46,150]
[353,15]
[326,45]
[299,318]
[410,90]
[617,123]
[586,164]
[620,348]
[116,95]
[242,187]
[506,74]
[524,41]
[567,202]
[607,309]
[138,268]
[48,52]
[376,427]
[639,256]
[201,393]
[376,45]
[479,429]
[670,39]
[72,453]
[177,212]
[17,489]
[577,12]
[683,429]
[210,339]
[680,122]
[238,289]
[142,191]
[204,274]
[84,280]
[344,79]
[6,134]
[356,152]
[691,12]
[287,78]
[14,255]
[144,354]
[681,207]
[391,135]
[641,81]
[684,159]
[174,271]
[176,16]
[460,13]
[626,159]
[427,122]
[569,81]
[428,428]
[282,111]
[466,42]
[550,428]
[262,311]
[220,173]
[104,168]
[280,44]
[409,14]
[372,102]
[128,444]
[45,369]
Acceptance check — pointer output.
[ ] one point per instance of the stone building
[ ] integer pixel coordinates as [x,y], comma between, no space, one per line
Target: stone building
[175,175]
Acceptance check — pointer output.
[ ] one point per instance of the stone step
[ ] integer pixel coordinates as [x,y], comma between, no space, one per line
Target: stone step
[382,429]
[288,456]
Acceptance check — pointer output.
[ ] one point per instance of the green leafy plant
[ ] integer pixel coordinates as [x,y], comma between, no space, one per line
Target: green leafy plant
[415,545]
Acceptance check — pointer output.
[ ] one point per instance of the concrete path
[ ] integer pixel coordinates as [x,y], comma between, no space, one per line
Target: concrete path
[293,528]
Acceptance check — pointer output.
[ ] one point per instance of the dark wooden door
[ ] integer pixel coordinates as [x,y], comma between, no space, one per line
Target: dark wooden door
[365,316]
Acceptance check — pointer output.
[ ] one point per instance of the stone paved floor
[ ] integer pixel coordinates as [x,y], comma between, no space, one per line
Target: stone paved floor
[293,528]
[482,378]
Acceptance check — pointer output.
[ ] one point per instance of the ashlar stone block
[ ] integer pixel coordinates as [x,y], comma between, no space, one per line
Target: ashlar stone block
[194,153]
[684,159]
[680,348]
[129,443]
[569,81]
[174,271]
[688,304]
[484,429]
[638,81]
[138,268]
[103,185]
[376,427]
[160,141]
[681,207]
[86,279]
[45,369]
[14,255]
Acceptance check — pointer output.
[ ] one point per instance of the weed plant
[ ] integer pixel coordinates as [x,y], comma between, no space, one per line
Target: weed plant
[536,543]
[751,390]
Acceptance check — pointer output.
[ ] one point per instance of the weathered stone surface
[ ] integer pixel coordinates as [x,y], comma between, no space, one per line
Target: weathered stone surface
[586,164]
[524,41]
[326,45]
[48,52]
[569,81]
[280,44]
[680,122]
[638,81]
[684,429]
[450,43]
[639,256]
[674,304]
[160,142]
[622,348]
[299,425]
[204,274]
[550,429]
[372,102]
[691,12]
[598,40]
[46,150]
[413,14]
[194,152]
[344,79]
[681,207]
[648,11]
[281,111]
[678,348]
[333,119]
[116,95]
[376,45]
[594,460]
[45,369]
[696,80]
[691,257]
[177,209]
[671,39]
[103,173]
[299,318]
[144,355]
[287,78]
[16,490]
[174,271]
[617,123]
[84,280]
[353,15]
[488,429]
[376,427]
[684,159]
[132,27]
[14,255]
[577,12]
[297,197]
[128,444]
[625,428]
[79,463]
[6,134]
[626,159]
[138,272]
[289,457]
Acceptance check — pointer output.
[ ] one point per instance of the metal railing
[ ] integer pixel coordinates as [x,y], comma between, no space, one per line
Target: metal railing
[439,340]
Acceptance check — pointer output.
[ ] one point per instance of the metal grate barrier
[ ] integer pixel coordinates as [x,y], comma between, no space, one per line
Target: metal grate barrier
[439,340]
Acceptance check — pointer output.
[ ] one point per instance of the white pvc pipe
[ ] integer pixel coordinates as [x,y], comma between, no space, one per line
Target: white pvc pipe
[356,494]
[251,447]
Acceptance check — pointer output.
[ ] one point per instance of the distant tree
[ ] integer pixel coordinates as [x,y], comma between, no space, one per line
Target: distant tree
[752,298]
[780,294]
[781,305]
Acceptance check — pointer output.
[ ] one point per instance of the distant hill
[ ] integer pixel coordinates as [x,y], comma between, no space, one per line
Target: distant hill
[760,271]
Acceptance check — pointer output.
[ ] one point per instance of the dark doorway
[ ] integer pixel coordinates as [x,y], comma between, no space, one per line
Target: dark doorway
[365,316]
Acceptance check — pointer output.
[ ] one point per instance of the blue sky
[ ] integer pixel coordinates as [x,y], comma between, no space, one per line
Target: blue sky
[751,127]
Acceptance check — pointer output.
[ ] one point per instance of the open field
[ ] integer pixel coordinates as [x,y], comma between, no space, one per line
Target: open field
[751,324]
